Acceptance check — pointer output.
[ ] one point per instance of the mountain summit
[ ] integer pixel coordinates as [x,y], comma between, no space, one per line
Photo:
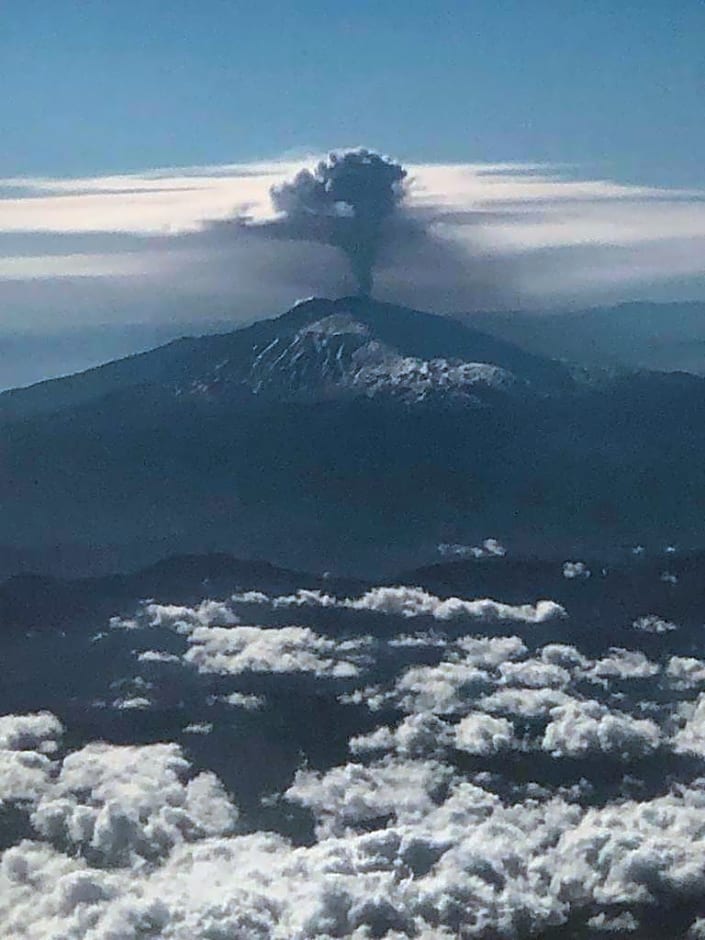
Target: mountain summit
[344,434]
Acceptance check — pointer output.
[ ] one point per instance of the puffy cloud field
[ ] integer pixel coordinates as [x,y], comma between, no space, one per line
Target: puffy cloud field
[380,763]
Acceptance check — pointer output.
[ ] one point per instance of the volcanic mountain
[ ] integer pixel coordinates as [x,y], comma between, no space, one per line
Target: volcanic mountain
[347,435]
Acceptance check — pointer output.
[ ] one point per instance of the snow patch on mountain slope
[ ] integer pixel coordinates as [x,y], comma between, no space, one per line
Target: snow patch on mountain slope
[338,356]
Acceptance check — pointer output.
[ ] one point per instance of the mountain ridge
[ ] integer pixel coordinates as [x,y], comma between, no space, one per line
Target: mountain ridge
[188,359]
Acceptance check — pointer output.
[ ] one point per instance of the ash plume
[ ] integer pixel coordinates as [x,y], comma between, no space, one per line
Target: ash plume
[352,217]
[347,201]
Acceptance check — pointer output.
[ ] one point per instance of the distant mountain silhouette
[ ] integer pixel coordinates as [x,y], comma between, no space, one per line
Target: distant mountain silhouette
[639,335]
[605,601]
[346,435]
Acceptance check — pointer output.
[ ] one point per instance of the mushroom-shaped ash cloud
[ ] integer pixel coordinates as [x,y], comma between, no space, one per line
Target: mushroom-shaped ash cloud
[347,201]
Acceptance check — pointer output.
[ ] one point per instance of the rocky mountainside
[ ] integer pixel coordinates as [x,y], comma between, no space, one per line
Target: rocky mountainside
[338,355]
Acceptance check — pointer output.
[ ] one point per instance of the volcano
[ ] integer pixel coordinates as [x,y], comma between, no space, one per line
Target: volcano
[347,435]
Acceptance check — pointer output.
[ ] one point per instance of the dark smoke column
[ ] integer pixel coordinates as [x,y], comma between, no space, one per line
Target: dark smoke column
[347,202]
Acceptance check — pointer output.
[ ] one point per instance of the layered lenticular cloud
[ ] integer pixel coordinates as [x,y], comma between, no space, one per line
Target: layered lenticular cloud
[473,236]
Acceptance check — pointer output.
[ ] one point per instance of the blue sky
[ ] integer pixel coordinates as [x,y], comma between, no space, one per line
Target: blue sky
[556,152]
[116,85]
